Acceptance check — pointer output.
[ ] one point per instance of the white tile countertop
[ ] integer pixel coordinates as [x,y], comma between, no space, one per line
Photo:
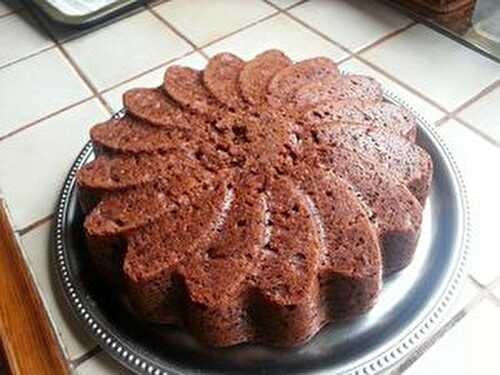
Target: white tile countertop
[54,85]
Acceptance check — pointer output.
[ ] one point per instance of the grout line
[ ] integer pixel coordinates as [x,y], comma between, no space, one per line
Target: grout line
[486,137]
[201,47]
[476,131]
[324,36]
[385,38]
[203,53]
[339,45]
[474,281]
[174,29]
[345,49]
[71,61]
[86,356]
[494,284]
[442,120]
[146,72]
[45,117]
[296,4]
[345,59]
[106,105]
[493,298]
[35,224]
[449,114]
[170,26]
[284,8]
[97,94]
[437,335]
[477,298]
[33,54]
[485,91]
[266,18]
[445,328]
[84,77]
[374,44]
[490,288]
[403,84]
[428,343]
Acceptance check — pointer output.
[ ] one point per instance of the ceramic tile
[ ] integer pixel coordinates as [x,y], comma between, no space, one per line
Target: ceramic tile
[495,289]
[440,68]
[124,49]
[26,95]
[469,348]
[205,21]
[421,106]
[336,18]
[284,3]
[37,249]
[36,160]
[20,36]
[151,79]
[472,153]
[278,32]
[101,364]
[484,115]
[470,292]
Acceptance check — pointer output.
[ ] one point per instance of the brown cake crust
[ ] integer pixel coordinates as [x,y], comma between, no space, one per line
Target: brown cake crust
[221,77]
[128,135]
[389,204]
[339,88]
[257,73]
[153,106]
[384,115]
[286,82]
[404,160]
[185,86]
[254,201]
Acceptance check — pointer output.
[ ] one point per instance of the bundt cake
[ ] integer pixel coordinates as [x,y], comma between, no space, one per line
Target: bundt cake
[254,201]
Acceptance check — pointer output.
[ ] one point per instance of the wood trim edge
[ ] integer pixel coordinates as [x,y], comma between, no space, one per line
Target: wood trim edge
[27,339]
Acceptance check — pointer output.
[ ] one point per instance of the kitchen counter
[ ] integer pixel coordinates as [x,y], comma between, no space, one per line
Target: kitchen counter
[55,84]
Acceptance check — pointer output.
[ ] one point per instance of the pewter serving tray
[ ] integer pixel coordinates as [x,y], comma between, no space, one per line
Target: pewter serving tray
[409,308]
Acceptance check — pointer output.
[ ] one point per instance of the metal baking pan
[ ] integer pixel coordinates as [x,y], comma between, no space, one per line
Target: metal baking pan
[83,14]
[410,306]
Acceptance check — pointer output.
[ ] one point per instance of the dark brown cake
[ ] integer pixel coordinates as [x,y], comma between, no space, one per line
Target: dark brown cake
[404,160]
[383,115]
[254,201]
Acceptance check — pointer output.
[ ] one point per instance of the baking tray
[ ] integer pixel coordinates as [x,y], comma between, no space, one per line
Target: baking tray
[410,306]
[57,12]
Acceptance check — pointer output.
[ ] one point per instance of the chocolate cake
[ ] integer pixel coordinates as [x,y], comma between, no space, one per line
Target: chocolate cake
[254,201]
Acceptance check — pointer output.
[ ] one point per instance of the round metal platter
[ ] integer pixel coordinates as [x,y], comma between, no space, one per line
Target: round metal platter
[409,307]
